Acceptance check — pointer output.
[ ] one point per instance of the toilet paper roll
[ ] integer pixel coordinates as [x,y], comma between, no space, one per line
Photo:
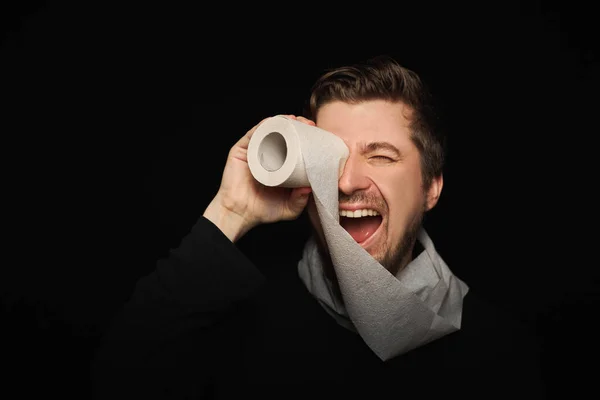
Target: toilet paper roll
[275,155]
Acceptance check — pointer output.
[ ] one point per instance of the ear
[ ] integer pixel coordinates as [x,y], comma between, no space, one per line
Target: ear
[434,192]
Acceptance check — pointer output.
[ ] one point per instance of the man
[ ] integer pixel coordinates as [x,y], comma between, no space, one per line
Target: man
[207,323]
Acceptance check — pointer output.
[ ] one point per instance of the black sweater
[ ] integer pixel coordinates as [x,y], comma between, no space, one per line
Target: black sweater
[208,324]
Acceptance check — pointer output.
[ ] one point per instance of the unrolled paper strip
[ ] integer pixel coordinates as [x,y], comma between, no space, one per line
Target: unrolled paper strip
[393,314]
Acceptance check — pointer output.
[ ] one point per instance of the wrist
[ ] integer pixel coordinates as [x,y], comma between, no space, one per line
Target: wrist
[232,224]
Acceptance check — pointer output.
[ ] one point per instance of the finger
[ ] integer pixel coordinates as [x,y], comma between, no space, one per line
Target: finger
[306,121]
[255,127]
[301,191]
[297,202]
[245,140]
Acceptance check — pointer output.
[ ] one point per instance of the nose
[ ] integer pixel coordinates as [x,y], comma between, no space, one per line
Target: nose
[353,177]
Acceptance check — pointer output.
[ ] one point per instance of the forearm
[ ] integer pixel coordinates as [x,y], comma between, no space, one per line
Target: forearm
[173,317]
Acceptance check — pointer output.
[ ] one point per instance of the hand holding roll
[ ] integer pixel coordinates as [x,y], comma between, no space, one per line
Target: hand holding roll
[242,202]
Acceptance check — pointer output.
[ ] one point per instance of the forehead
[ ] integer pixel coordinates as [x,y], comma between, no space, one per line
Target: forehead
[372,120]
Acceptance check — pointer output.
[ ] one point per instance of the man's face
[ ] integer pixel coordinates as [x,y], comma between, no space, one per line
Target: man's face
[382,176]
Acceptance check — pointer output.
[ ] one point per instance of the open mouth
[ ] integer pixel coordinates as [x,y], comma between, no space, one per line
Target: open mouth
[360,224]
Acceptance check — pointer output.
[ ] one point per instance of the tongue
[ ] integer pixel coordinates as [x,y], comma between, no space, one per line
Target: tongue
[360,228]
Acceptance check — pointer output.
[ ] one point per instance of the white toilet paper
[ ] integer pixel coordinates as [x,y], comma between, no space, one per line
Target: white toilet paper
[275,152]
[393,314]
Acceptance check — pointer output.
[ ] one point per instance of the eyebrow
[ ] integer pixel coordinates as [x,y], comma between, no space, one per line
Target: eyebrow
[372,147]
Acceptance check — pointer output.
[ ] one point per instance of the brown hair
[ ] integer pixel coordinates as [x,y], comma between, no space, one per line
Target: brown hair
[383,78]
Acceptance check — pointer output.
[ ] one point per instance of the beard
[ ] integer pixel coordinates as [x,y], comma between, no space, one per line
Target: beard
[394,258]
[397,257]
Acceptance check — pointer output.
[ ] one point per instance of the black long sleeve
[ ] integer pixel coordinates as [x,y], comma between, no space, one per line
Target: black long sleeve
[174,333]
[200,327]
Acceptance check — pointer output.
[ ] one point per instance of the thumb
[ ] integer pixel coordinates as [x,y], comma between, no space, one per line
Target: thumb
[297,201]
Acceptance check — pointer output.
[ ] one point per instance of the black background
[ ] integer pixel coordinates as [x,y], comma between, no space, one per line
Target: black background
[117,119]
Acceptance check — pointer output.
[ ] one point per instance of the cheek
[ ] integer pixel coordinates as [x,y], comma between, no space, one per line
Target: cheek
[404,198]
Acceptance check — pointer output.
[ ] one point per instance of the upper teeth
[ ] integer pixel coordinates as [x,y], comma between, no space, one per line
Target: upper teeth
[358,213]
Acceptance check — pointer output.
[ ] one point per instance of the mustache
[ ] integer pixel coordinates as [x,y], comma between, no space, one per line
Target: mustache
[362,197]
